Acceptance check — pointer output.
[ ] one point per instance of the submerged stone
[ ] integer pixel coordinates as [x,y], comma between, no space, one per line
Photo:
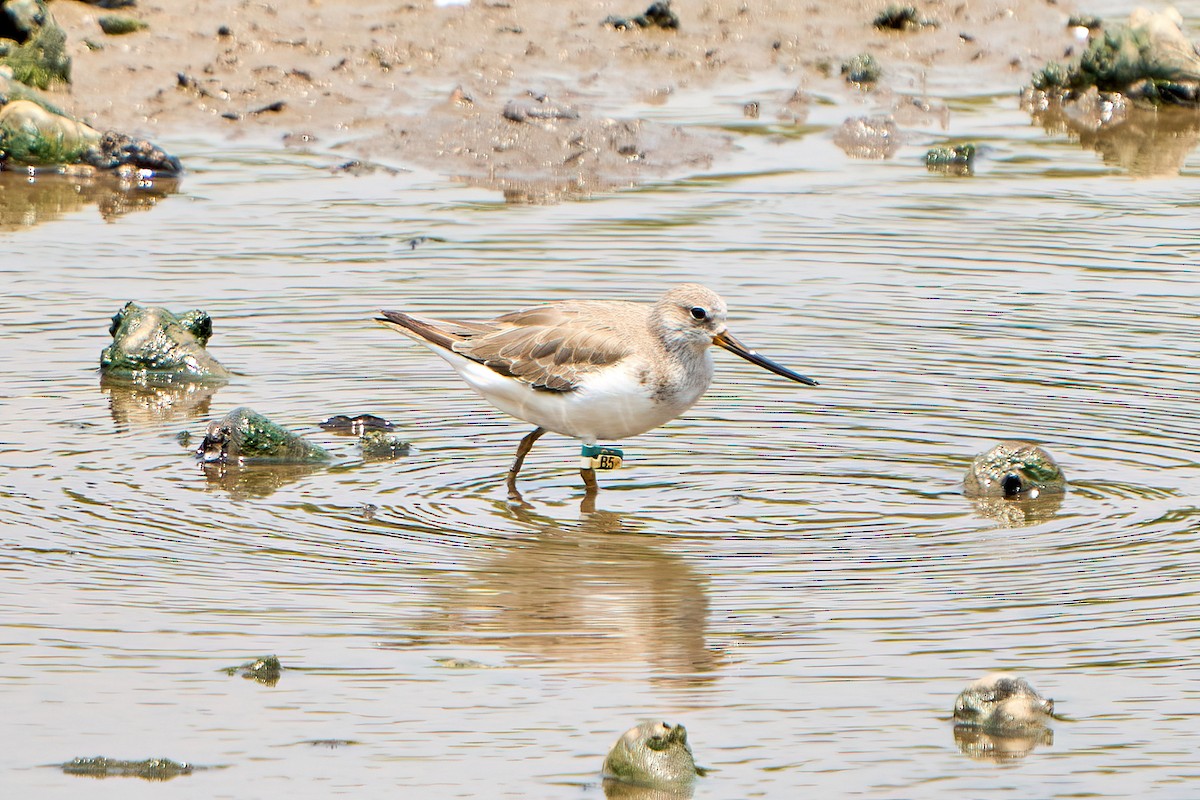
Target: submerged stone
[32,44]
[868,137]
[862,68]
[653,755]
[150,344]
[244,437]
[1014,470]
[956,159]
[265,669]
[462,663]
[152,769]
[381,446]
[1002,704]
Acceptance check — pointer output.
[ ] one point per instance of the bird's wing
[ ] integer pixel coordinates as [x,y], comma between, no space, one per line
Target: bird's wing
[548,347]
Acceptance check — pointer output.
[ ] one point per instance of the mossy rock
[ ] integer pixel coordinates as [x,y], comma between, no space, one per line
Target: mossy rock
[119,24]
[32,44]
[32,136]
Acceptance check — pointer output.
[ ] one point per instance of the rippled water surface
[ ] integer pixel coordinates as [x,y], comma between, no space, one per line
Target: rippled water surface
[790,572]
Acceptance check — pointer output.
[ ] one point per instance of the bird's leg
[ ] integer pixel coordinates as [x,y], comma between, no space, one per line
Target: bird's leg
[522,450]
[591,487]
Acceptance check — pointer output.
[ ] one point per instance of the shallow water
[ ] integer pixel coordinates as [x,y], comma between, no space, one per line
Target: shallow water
[792,573]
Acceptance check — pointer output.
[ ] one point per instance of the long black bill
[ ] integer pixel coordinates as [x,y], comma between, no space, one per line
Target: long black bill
[730,343]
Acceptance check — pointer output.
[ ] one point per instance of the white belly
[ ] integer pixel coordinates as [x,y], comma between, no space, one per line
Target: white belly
[611,405]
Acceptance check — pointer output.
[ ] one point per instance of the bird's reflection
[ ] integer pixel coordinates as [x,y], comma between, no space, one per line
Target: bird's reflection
[593,594]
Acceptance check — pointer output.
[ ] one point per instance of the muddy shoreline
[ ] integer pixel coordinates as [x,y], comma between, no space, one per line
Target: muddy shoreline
[427,85]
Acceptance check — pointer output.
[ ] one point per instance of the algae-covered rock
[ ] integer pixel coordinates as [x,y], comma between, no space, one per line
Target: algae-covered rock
[1014,470]
[956,159]
[901,18]
[1002,703]
[32,133]
[861,69]
[653,755]
[1149,59]
[245,437]
[152,769]
[265,670]
[381,446]
[32,136]
[152,345]
[119,24]
[1001,717]
[33,44]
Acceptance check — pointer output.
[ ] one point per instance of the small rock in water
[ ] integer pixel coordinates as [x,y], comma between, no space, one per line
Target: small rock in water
[956,159]
[868,137]
[265,670]
[653,755]
[863,68]
[152,769]
[462,663]
[1000,717]
[379,446]
[246,437]
[1014,470]
[150,344]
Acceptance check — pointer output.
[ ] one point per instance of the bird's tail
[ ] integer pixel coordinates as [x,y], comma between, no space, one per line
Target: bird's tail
[417,328]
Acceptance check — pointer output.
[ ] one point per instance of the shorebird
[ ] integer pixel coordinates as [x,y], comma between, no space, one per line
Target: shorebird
[594,370]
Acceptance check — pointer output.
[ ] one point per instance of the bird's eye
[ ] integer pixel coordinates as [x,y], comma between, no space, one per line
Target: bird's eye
[699,312]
